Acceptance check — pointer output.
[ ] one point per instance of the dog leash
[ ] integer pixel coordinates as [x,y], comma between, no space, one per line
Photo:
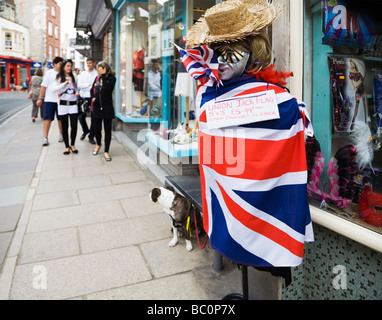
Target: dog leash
[196,228]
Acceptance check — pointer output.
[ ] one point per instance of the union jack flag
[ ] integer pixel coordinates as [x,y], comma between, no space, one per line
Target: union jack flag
[201,62]
[254,179]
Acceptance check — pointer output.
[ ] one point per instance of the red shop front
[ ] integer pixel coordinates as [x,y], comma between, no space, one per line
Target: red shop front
[14,72]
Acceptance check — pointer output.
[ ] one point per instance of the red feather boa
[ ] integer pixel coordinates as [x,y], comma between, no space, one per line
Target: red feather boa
[367,203]
[271,75]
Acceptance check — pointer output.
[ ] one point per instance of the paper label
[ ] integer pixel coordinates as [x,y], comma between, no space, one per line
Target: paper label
[238,111]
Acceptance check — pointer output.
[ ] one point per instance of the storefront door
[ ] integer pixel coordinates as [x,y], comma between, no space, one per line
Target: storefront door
[12,75]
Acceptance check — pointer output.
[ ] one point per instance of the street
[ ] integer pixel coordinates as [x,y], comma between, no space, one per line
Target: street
[11,103]
[87,228]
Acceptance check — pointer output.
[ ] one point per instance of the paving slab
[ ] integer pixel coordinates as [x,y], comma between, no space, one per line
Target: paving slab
[122,233]
[165,261]
[61,218]
[49,245]
[67,184]
[115,192]
[140,206]
[55,200]
[79,275]
[182,286]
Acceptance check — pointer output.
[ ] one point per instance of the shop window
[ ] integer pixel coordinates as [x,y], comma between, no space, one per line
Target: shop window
[50,28]
[8,41]
[169,22]
[134,104]
[3,75]
[345,161]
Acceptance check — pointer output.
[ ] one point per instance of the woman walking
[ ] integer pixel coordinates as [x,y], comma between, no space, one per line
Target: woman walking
[67,107]
[35,88]
[102,106]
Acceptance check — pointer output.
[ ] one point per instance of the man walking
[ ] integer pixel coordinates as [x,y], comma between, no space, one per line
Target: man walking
[51,100]
[85,82]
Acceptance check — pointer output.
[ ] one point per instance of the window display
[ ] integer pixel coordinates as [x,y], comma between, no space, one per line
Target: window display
[345,177]
[172,87]
[133,61]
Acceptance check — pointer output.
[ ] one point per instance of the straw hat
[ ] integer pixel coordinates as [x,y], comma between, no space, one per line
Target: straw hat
[232,20]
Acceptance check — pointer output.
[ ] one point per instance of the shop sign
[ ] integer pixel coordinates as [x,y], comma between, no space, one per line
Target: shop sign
[37,65]
[238,111]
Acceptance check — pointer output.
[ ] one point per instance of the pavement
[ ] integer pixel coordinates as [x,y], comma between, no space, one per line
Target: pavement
[78,227]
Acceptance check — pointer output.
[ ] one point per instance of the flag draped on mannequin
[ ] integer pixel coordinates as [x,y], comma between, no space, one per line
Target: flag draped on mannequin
[254,177]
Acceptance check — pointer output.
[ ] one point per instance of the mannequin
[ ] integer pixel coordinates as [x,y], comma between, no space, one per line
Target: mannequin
[138,71]
[245,168]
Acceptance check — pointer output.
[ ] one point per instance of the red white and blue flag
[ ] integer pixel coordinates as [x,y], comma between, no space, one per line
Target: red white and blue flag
[254,179]
[201,62]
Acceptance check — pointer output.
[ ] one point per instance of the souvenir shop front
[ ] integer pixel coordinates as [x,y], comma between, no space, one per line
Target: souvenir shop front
[334,49]
[342,83]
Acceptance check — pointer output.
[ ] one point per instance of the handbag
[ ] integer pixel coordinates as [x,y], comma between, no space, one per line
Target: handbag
[80,102]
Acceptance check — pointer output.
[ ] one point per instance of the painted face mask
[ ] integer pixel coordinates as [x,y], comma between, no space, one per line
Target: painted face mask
[231,63]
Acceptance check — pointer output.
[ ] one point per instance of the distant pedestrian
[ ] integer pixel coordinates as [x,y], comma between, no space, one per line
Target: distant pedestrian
[85,83]
[66,87]
[102,105]
[51,100]
[12,82]
[35,88]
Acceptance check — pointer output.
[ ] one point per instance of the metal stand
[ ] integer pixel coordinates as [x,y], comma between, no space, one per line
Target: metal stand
[244,279]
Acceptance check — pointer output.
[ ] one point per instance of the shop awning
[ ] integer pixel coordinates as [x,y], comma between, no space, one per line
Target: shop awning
[16,60]
[92,16]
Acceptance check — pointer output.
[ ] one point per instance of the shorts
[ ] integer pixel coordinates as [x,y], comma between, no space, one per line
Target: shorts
[50,109]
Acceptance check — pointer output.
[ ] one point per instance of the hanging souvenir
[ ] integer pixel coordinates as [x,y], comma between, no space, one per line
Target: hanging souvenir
[348,92]
[342,168]
[368,202]
[352,23]
[378,98]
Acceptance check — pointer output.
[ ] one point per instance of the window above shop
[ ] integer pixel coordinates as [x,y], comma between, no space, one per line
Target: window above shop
[14,41]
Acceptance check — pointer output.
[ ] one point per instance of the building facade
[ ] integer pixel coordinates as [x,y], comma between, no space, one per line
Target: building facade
[15,62]
[69,52]
[43,18]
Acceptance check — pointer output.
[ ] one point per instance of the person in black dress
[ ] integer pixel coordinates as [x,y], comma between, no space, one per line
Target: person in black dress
[102,106]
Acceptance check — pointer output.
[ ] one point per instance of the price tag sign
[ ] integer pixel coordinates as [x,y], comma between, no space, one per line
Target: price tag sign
[238,111]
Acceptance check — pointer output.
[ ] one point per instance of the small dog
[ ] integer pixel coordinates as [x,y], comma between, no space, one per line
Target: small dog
[181,212]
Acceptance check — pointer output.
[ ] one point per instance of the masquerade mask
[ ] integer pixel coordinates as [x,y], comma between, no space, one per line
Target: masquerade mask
[230,56]
[232,63]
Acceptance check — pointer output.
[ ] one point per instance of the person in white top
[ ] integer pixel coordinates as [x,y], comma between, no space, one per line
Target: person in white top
[85,82]
[51,99]
[66,88]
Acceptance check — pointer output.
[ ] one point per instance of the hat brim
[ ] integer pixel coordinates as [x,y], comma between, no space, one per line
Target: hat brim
[265,13]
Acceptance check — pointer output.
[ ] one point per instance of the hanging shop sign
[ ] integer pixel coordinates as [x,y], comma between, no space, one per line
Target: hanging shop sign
[37,65]
[351,23]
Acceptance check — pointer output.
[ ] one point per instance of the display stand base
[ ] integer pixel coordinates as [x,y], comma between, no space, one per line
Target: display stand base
[244,278]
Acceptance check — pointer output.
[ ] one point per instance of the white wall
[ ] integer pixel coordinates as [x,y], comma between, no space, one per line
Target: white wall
[17,28]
